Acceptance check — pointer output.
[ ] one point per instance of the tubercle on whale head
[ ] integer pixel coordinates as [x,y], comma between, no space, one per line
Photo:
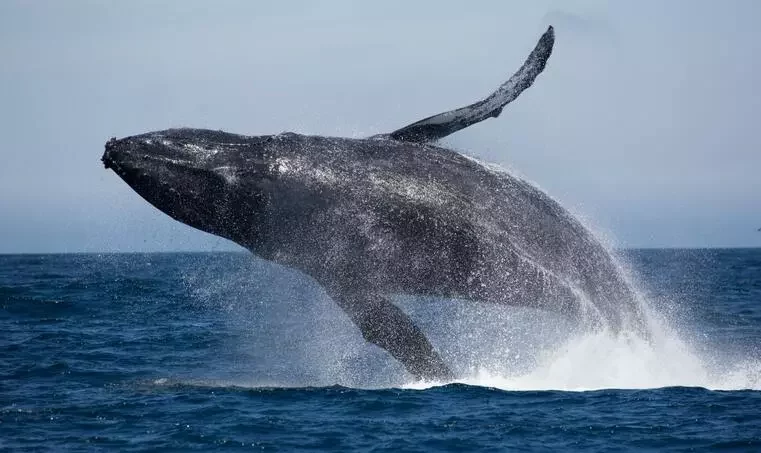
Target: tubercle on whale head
[110,144]
[197,177]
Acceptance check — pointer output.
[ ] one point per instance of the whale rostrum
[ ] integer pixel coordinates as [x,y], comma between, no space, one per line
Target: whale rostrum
[386,215]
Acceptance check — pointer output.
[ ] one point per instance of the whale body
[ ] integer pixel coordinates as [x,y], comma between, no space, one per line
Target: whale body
[391,214]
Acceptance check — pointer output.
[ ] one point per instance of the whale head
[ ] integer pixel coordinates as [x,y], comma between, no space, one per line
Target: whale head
[214,181]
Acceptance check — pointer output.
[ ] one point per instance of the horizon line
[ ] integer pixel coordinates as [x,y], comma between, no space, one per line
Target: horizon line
[169,252]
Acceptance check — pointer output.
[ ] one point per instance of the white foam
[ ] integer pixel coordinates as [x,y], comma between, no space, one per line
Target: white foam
[601,360]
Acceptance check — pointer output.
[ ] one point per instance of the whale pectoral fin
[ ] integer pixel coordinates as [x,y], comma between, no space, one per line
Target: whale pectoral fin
[443,124]
[384,324]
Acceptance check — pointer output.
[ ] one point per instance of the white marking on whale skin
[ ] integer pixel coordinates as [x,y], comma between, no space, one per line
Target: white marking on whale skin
[187,160]
[198,148]
[283,166]
[200,152]
[228,173]
[430,193]
[306,171]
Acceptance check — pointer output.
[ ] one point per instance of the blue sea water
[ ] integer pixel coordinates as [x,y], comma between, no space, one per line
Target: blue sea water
[206,351]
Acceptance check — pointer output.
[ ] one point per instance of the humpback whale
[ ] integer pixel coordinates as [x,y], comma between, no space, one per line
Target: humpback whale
[390,214]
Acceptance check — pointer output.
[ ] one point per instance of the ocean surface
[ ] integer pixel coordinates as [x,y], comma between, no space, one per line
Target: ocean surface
[207,351]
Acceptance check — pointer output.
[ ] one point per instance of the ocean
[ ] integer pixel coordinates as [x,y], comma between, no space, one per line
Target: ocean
[223,351]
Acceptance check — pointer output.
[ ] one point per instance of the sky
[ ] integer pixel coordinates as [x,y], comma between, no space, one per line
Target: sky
[644,123]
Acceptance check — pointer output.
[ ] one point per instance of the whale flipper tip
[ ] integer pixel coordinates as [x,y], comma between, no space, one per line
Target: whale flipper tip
[439,126]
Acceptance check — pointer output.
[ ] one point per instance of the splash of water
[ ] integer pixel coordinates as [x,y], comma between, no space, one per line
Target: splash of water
[597,362]
[552,355]
[602,360]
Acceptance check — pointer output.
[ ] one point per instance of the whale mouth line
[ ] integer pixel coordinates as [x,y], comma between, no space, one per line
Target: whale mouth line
[108,163]
[111,164]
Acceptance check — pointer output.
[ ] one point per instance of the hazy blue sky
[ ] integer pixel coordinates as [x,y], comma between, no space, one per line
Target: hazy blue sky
[646,120]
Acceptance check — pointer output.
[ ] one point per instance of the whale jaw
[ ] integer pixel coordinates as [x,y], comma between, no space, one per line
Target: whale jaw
[193,176]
